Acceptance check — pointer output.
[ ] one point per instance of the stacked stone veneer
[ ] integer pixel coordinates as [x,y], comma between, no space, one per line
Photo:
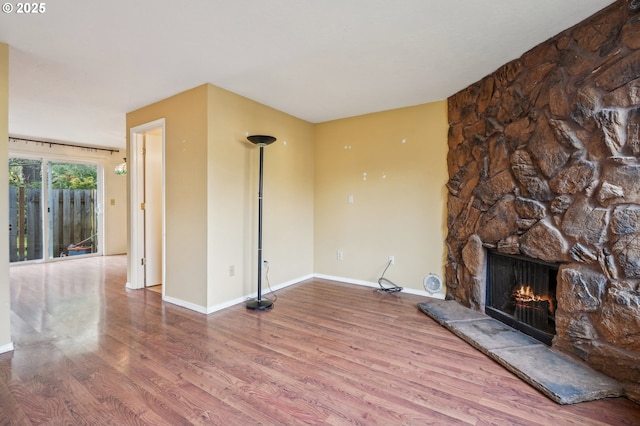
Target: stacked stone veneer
[544,161]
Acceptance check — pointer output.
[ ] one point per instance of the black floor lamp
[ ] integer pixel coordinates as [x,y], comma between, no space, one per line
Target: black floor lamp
[260,304]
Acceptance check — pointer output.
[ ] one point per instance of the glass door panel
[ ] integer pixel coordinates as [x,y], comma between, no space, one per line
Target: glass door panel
[73,219]
[25,210]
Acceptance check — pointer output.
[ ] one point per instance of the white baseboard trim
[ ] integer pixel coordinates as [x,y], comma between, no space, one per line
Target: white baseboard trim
[375,285]
[185,304]
[6,348]
[233,302]
[225,305]
[346,280]
[239,300]
[130,286]
[265,291]
[292,282]
[439,295]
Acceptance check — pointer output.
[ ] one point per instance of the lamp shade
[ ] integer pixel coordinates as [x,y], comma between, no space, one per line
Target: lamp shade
[261,140]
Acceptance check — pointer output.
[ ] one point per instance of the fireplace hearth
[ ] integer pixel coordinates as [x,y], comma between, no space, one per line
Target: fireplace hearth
[521,293]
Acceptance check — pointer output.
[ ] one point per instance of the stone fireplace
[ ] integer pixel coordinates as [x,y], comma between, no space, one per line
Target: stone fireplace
[544,162]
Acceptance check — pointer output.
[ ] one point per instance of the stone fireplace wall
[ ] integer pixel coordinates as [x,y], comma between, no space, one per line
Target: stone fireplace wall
[544,161]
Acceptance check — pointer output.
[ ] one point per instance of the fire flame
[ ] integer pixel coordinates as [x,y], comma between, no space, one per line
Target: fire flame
[526,294]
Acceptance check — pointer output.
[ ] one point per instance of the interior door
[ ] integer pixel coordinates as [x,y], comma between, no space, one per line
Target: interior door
[153,208]
[147,249]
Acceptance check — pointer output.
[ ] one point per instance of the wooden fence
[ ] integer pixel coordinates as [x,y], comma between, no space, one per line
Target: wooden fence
[72,220]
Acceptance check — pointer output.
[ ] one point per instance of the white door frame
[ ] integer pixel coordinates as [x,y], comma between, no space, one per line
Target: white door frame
[135,172]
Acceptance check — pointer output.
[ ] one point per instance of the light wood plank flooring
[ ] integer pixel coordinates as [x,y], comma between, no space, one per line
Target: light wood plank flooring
[88,351]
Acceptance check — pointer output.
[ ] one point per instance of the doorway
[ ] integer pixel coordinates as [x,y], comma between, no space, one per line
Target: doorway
[54,208]
[146,175]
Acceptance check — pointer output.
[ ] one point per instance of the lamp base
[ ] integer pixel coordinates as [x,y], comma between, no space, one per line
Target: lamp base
[260,305]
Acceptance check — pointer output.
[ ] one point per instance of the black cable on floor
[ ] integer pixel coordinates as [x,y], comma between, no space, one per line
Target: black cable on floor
[393,289]
[266,276]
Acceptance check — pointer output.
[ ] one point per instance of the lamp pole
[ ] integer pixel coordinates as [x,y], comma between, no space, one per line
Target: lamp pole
[260,304]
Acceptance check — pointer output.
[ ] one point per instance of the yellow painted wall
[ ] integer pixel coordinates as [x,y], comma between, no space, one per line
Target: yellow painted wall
[394,166]
[185,190]
[233,196]
[211,195]
[5,309]
[116,206]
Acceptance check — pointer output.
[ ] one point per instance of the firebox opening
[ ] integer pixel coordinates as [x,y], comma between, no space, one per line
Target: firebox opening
[521,293]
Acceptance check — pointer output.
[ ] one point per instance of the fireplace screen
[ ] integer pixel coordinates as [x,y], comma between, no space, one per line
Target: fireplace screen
[522,293]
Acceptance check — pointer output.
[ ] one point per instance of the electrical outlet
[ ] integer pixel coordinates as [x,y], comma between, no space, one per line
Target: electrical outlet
[232,270]
[340,255]
[265,263]
[392,259]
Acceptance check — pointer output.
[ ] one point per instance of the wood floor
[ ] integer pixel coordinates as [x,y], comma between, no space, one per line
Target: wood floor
[90,352]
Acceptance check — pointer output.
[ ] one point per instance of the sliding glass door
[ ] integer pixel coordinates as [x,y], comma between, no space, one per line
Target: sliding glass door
[73,221]
[69,207]
[25,210]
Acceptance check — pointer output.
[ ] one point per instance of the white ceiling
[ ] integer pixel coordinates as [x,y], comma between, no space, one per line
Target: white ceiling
[79,67]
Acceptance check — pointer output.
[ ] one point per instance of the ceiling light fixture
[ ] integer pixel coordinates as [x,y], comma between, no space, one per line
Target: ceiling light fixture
[121,169]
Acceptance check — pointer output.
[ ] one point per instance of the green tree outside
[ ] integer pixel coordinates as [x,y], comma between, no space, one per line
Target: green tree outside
[73,176]
[28,173]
